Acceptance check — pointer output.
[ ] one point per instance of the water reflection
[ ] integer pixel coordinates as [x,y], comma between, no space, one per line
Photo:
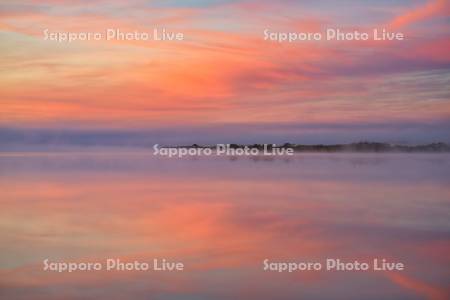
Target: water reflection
[222,218]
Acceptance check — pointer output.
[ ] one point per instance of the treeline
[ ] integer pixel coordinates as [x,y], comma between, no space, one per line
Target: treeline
[353,147]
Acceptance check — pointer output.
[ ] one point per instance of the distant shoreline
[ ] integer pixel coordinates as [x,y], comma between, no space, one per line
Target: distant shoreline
[365,147]
[279,149]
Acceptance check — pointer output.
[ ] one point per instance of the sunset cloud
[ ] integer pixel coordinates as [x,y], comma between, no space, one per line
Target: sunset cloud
[223,72]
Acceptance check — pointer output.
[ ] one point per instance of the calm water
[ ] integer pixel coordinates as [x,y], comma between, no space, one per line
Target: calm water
[221,218]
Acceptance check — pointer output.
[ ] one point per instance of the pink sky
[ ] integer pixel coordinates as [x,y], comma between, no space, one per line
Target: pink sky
[224,73]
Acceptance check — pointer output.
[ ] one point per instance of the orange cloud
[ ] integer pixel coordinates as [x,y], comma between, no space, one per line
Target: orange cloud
[432,8]
[218,74]
[427,290]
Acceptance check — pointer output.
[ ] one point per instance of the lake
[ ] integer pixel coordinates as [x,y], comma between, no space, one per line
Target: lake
[222,217]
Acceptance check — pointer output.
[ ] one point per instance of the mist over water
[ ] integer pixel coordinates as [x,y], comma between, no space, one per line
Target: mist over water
[222,217]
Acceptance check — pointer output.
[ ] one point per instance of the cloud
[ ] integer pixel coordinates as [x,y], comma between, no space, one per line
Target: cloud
[429,291]
[431,9]
[224,72]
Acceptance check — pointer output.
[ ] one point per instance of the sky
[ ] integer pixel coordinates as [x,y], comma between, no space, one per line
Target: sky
[224,82]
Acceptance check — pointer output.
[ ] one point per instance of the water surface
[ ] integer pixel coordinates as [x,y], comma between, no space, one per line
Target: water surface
[222,217]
